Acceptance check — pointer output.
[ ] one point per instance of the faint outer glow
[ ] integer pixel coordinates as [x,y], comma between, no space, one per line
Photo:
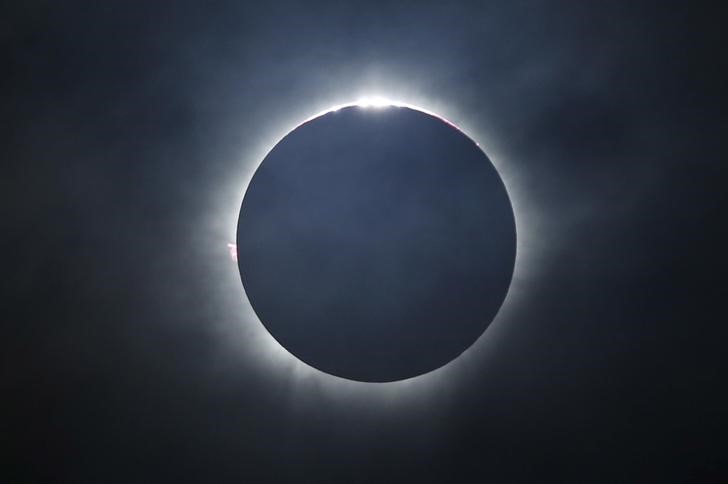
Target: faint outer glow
[252,341]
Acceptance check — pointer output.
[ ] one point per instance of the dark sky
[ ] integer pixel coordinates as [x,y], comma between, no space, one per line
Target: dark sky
[130,129]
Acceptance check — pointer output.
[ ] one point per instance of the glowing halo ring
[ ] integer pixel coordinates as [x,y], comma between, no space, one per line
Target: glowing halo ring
[302,374]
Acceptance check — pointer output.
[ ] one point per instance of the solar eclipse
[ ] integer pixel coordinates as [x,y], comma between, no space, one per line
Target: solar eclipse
[376,242]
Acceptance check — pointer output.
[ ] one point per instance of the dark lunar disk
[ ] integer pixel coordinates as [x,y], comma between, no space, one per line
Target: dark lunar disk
[376,244]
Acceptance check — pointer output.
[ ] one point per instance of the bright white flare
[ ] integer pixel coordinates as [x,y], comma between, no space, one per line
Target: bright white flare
[379,102]
[375,102]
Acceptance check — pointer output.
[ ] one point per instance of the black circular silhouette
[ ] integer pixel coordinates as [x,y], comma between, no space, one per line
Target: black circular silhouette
[376,244]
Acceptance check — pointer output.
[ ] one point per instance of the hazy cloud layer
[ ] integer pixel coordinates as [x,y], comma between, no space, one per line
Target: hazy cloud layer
[130,130]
